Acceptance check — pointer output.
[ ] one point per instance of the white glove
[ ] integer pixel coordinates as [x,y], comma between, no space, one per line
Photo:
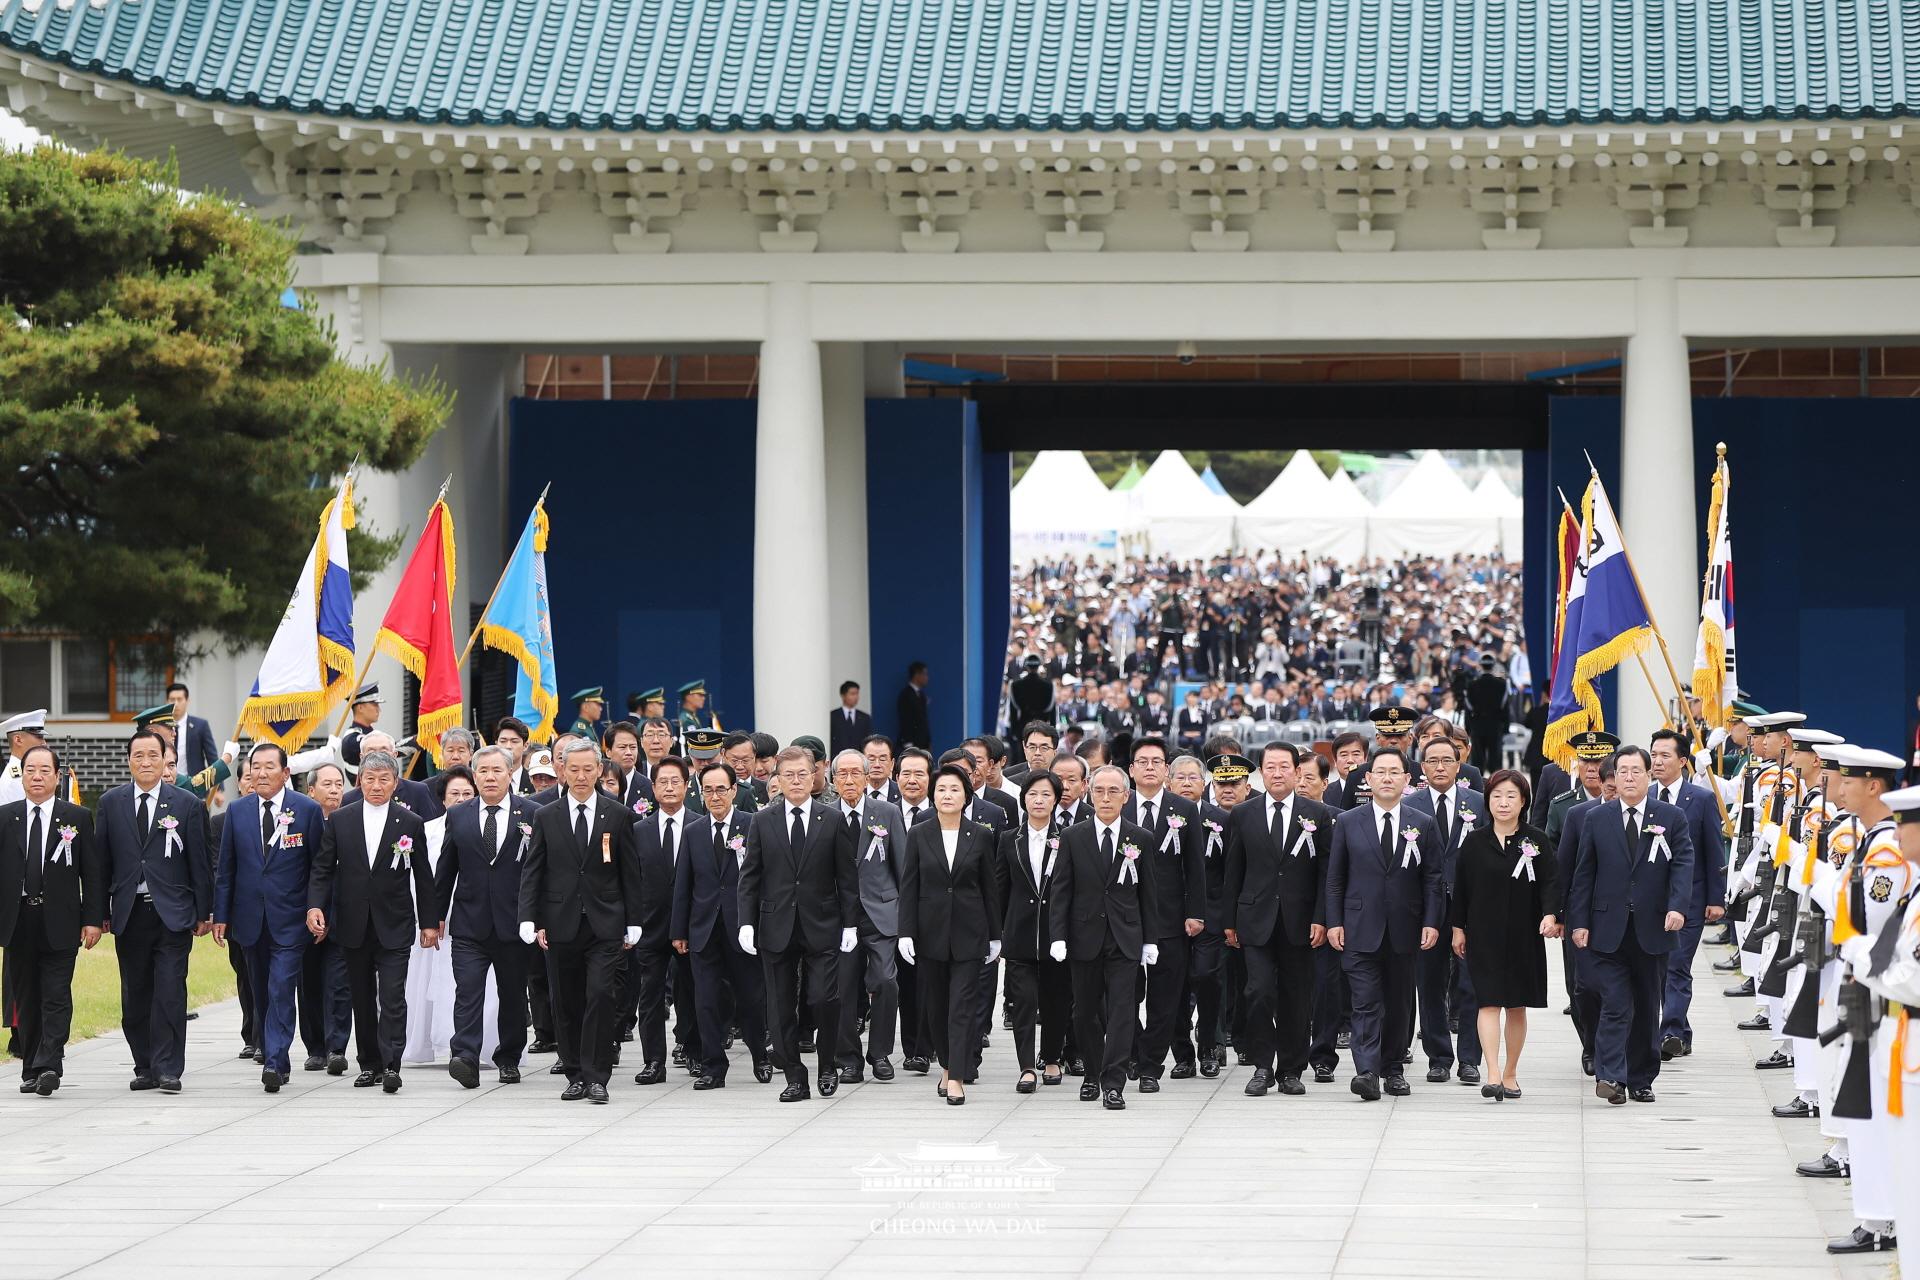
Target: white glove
[633,935]
[1715,738]
[231,751]
[1058,951]
[1703,761]
[849,939]
[526,932]
[993,952]
[746,940]
[1150,953]
[906,950]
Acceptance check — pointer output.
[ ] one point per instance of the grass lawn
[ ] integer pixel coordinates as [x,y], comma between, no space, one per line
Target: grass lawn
[96,987]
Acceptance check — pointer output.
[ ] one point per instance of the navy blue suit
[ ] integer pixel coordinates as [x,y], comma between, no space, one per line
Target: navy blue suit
[1709,890]
[260,895]
[195,746]
[153,928]
[477,893]
[706,916]
[1621,896]
[1585,1001]
[1383,898]
[1441,980]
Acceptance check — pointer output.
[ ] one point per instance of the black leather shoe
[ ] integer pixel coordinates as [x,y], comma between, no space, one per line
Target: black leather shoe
[1397,1086]
[597,1093]
[709,1082]
[1438,1075]
[852,1075]
[1257,1084]
[1743,989]
[1323,1075]
[1149,1084]
[1469,1075]
[1027,1083]
[1089,1092]
[1861,1240]
[679,1054]
[1640,1095]
[1291,1086]
[915,1064]
[1722,939]
[1343,1040]
[1671,1048]
[1077,1067]
[1182,1071]
[652,1073]
[315,1063]
[575,1090]
[248,1051]
[1210,1065]
[1608,1091]
[140,1084]
[1778,1060]
[543,1046]
[1758,1022]
[509,1075]
[1798,1109]
[763,1071]
[336,1064]
[829,1083]
[1586,1064]
[390,1083]
[796,1092]
[1242,1057]
[169,1084]
[1366,1086]
[1730,965]
[366,1080]
[557,1069]
[1825,1167]
[1112,1101]
[466,1071]
[29,1084]
[45,1083]
[271,1080]
[883,1070]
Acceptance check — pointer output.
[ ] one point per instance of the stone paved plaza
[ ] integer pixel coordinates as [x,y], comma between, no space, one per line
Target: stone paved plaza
[324,1179]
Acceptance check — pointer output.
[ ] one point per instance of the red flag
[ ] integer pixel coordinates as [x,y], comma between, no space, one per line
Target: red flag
[1567,554]
[418,629]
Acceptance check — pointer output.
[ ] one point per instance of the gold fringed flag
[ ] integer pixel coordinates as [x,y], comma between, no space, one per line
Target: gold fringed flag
[418,628]
[1715,675]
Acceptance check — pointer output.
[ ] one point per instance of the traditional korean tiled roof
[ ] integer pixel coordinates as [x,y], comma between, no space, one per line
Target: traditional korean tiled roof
[657,66]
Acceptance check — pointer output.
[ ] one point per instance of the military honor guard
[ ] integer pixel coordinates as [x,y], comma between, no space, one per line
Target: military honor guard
[592,706]
[694,712]
[365,717]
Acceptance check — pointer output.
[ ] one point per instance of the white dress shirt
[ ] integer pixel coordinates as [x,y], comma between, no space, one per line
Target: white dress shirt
[1379,814]
[1101,831]
[1037,838]
[153,818]
[950,841]
[374,816]
[276,804]
[1284,808]
[802,810]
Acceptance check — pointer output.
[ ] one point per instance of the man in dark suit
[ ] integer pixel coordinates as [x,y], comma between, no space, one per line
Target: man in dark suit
[1274,908]
[418,797]
[706,929]
[477,896]
[1174,858]
[623,748]
[664,838]
[267,847]
[193,736]
[1074,805]
[911,709]
[580,899]
[53,899]
[850,727]
[326,998]
[1566,817]
[1384,904]
[799,912]
[1632,886]
[1102,898]
[880,841]
[1487,714]
[371,873]
[1708,901]
[1031,694]
[916,806]
[155,835]
[1443,988]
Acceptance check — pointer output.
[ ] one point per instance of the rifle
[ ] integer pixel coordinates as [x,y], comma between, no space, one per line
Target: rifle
[1761,930]
[1803,1020]
[1739,901]
[1786,959]
[1859,1010]
[1786,914]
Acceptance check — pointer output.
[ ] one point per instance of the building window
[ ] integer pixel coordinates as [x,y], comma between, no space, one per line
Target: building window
[141,671]
[77,676]
[26,674]
[84,680]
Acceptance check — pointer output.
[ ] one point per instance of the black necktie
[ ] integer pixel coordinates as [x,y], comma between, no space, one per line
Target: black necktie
[143,823]
[1441,817]
[1106,847]
[36,856]
[666,841]
[266,825]
[580,827]
[1386,836]
[874,795]
[490,832]
[719,845]
[1146,812]
[1633,830]
[853,823]
[797,838]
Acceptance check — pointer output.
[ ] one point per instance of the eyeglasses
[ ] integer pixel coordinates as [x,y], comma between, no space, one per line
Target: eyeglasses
[723,790]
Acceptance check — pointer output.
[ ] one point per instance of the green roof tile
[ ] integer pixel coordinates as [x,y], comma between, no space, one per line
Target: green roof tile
[994,65]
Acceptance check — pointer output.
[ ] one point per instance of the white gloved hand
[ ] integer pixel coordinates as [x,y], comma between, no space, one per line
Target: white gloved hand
[849,939]
[1703,761]
[526,932]
[1715,738]
[231,751]
[993,952]
[1058,951]
[746,940]
[905,948]
[633,935]
[1150,953]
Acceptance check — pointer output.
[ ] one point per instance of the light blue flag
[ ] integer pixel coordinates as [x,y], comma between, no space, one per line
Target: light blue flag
[519,622]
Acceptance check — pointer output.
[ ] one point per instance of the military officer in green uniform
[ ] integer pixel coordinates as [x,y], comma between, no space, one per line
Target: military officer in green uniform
[593,705]
[693,707]
[203,783]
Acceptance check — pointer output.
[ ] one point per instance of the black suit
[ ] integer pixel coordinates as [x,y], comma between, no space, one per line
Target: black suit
[1038,986]
[153,928]
[913,1038]
[952,914]
[477,891]
[706,915]
[585,897]
[1100,911]
[369,899]
[1275,892]
[1383,898]
[1174,860]
[911,711]
[798,901]
[41,929]
[661,869]
[844,735]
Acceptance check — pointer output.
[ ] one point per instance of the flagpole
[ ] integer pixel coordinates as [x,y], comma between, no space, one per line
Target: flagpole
[346,712]
[538,503]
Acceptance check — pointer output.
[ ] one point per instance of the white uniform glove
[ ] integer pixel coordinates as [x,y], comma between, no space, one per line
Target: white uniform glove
[849,939]
[993,952]
[746,940]
[1058,951]
[1150,953]
[633,935]
[231,751]
[1703,761]
[906,949]
[526,932]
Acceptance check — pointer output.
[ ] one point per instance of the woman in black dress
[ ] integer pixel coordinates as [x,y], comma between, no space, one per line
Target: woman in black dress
[1501,923]
[1039,987]
[950,924]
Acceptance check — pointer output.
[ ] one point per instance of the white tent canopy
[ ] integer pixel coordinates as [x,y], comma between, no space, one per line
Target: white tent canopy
[1499,501]
[1432,513]
[1185,519]
[1060,508]
[1304,511]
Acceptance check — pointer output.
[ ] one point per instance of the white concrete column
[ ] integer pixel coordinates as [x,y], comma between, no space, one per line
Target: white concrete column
[1655,500]
[792,675]
[843,383]
[886,377]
